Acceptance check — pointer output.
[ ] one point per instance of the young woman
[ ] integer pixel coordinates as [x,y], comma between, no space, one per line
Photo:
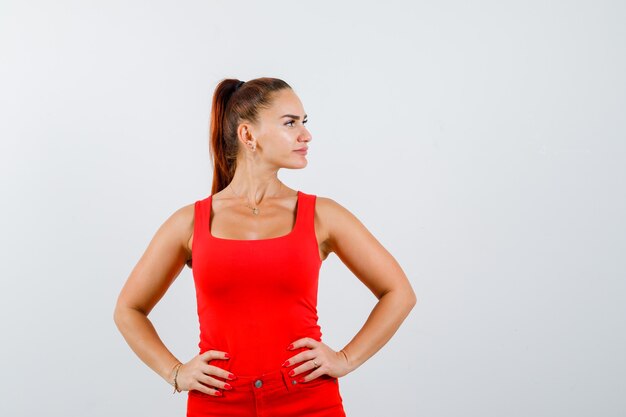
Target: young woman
[255,247]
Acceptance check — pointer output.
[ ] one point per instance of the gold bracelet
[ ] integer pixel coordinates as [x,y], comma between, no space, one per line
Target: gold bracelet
[176,389]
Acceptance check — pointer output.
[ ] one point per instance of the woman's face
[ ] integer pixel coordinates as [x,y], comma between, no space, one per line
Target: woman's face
[281,131]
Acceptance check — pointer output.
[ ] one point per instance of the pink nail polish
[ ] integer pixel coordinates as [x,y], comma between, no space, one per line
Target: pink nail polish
[226,355]
[231,376]
[290,347]
[286,363]
[227,386]
[291,372]
[218,393]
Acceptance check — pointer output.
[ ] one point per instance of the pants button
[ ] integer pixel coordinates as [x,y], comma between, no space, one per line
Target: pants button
[294,382]
[258,383]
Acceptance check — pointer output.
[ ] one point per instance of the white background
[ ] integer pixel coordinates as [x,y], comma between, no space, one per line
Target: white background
[483,143]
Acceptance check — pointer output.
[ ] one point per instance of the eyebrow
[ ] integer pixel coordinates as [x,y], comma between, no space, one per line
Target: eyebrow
[293,116]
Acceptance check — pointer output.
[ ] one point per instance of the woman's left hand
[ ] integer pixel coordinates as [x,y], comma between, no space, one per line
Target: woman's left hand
[327,360]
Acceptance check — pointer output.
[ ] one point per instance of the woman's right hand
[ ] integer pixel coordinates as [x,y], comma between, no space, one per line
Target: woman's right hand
[199,375]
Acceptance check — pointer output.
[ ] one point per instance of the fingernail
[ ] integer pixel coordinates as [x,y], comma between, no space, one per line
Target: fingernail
[290,346]
[301,380]
[291,372]
[226,355]
[228,386]
[231,376]
[286,363]
[218,393]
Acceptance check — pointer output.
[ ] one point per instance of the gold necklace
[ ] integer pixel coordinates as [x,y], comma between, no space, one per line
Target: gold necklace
[255,210]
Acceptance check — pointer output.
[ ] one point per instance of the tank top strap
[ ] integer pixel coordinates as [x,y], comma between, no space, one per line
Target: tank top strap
[306,212]
[200,220]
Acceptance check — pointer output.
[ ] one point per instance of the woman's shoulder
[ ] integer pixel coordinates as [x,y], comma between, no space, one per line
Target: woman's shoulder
[332,213]
[182,217]
[185,212]
[336,225]
[327,204]
[182,220]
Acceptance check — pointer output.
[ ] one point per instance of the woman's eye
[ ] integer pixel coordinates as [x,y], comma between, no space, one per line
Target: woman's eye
[293,121]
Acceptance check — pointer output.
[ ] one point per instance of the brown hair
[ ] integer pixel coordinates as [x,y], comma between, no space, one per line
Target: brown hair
[234,102]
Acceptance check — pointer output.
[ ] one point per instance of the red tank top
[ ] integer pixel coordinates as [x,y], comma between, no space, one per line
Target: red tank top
[255,297]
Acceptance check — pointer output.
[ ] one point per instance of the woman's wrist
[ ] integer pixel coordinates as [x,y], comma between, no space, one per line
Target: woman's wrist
[172,373]
[348,362]
[174,379]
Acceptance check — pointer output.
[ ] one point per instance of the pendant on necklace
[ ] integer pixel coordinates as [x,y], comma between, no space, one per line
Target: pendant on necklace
[255,210]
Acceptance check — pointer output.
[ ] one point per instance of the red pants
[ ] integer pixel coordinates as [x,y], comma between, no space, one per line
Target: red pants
[273,394]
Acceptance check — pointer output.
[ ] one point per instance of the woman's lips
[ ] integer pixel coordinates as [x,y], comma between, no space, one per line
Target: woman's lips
[301,152]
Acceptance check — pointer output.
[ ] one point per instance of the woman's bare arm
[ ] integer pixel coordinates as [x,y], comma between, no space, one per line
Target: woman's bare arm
[373,265]
[155,271]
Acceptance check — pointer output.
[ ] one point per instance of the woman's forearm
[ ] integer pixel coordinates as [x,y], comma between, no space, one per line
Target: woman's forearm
[143,339]
[384,320]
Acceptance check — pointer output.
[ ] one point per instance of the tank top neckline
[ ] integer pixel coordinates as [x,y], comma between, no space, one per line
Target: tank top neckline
[291,233]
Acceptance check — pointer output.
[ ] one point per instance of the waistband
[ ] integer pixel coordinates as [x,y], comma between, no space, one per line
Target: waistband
[278,378]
